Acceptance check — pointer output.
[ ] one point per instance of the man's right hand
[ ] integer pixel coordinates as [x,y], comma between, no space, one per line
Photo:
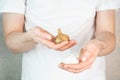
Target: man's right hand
[40,35]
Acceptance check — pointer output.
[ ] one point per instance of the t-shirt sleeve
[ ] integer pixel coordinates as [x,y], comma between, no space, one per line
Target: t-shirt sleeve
[108,4]
[12,6]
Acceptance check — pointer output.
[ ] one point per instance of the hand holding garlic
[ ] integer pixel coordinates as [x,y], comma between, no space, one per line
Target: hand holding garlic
[60,43]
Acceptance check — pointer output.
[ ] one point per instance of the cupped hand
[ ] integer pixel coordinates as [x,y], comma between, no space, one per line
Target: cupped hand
[40,35]
[87,57]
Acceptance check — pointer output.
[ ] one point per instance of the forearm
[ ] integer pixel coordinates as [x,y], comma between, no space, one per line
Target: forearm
[107,42]
[18,42]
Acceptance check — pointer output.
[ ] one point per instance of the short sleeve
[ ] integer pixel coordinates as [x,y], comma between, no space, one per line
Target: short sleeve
[12,6]
[108,4]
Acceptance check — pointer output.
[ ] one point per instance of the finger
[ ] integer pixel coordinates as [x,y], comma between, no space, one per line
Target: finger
[81,53]
[42,40]
[92,48]
[85,56]
[78,66]
[58,46]
[70,44]
[85,68]
[89,50]
[69,66]
[43,33]
[77,70]
[51,44]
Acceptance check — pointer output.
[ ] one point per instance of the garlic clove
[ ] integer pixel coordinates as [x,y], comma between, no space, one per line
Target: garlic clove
[61,37]
[70,60]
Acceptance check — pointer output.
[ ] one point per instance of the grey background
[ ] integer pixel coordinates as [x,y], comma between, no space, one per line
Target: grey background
[10,64]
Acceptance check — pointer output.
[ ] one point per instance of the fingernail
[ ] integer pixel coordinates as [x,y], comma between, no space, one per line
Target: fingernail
[60,65]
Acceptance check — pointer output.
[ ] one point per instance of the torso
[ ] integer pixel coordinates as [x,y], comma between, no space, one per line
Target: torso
[75,18]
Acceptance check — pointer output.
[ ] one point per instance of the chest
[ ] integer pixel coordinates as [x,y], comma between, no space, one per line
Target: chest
[63,3]
[64,14]
[62,8]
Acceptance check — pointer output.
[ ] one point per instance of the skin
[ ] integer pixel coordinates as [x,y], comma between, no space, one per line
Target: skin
[13,31]
[101,45]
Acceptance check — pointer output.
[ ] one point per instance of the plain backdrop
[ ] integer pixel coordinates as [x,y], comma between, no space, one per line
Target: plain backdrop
[10,64]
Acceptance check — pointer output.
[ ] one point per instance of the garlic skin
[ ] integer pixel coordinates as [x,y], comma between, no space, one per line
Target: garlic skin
[61,37]
[70,60]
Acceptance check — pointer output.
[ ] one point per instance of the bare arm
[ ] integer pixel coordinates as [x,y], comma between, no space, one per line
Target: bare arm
[16,39]
[105,31]
[102,44]
[19,41]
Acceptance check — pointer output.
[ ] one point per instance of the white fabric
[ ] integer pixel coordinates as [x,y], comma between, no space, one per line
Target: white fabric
[75,18]
[15,6]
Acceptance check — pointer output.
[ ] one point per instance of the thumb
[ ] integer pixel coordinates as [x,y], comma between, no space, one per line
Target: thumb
[84,55]
[43,33]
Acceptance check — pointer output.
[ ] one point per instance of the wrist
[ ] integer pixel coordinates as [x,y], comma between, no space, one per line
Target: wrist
[29,37]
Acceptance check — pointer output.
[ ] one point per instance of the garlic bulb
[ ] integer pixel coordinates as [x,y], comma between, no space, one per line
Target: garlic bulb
[70,60]
[61,37]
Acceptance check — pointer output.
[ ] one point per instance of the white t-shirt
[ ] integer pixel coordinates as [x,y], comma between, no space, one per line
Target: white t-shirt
[76,18]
